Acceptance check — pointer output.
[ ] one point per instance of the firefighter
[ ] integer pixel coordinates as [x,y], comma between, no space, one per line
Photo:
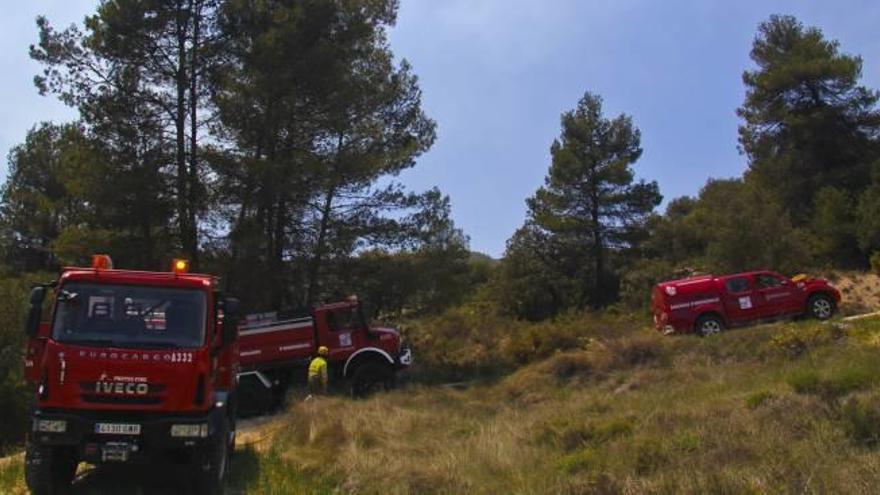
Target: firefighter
[318,372]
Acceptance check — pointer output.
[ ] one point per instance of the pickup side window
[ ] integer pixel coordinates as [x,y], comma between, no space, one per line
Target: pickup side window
[766,281]
[737,284]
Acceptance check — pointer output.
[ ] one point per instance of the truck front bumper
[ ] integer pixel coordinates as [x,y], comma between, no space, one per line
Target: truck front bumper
[110,436]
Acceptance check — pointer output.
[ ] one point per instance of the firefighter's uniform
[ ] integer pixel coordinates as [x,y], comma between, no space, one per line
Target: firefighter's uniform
[318,372]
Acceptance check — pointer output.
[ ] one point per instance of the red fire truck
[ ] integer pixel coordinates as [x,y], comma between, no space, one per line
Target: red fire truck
[708,304]
[135,366]
[275,351]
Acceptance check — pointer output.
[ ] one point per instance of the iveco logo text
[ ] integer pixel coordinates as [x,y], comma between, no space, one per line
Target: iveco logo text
[122,388]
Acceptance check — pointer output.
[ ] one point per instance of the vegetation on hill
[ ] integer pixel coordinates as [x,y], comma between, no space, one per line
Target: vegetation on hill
[791,407]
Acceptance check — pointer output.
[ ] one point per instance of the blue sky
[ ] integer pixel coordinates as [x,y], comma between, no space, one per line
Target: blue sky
[496,75]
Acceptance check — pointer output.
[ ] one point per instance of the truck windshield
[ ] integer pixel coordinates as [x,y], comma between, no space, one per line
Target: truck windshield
[129,316]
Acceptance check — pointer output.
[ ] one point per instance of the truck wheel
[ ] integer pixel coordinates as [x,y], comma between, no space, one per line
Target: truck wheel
[370,378]
[709,325]
[211,477]
[48,470]
[820,307]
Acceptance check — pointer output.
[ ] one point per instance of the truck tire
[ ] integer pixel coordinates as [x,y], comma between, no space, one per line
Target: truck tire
[48,470]
[370,378]
[820,306]
[708,325]
[212,471]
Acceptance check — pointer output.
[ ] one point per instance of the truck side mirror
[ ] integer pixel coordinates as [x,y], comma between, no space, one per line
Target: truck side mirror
[230,320]
[35,313]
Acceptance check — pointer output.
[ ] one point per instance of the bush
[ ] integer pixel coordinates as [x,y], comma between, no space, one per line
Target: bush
[836,384]
[569,437]
[861,420]
[758,399]
[875,262]
[805,381]
[14,393]
[799,340]
[582,460]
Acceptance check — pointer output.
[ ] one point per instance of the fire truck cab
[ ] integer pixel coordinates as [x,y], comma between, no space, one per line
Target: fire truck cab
[132,366]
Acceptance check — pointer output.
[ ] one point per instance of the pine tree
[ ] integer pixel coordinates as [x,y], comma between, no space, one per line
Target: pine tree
[808,124]
[591,205]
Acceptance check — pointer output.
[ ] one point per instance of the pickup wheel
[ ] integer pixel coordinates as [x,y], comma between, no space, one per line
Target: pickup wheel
[370,378]
[48,470]
[211,473]
[708,325]
[820,306]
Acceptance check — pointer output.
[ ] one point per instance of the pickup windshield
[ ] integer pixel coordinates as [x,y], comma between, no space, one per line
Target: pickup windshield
[129,316]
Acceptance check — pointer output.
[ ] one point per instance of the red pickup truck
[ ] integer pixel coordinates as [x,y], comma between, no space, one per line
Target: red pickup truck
[708,304]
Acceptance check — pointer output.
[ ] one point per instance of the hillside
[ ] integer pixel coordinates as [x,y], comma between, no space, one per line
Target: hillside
[790,407]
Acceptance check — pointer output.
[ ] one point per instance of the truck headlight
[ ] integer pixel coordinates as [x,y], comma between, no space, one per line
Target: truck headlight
[50,425]
[190,430]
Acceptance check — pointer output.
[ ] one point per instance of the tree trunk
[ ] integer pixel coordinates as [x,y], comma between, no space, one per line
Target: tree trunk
[183,212]
[317,258]
[193,185]
[598,251]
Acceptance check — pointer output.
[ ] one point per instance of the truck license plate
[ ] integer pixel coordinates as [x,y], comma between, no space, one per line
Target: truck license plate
[117,429]
[115,452]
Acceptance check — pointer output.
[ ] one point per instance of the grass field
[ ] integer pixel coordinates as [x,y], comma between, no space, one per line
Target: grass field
[783,408]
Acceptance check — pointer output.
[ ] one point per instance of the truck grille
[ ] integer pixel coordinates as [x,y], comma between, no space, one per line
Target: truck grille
[121,399]
[96,393]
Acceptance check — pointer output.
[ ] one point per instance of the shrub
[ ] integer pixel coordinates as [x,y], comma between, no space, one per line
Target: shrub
[805,381]
[14,393]
[861,420]
[836,384]
[579,461]
[758,399]
[799,340]
[875,262]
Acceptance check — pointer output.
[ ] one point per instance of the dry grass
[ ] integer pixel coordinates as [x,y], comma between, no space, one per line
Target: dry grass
[637,414]
[617,413]
[860,291]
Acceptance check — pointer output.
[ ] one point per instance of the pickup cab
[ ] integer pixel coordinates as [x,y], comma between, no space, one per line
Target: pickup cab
[707,304]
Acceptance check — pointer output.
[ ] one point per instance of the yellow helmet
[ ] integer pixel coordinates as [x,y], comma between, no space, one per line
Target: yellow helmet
[323,351]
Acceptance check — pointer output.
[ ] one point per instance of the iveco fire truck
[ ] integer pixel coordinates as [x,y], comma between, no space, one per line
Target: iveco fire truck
[134,366]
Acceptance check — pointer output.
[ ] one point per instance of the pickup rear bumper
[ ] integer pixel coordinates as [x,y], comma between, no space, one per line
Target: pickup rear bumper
[94,433]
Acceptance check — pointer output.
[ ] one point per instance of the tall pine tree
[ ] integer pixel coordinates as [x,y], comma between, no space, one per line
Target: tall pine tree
[808,124]
[591,206]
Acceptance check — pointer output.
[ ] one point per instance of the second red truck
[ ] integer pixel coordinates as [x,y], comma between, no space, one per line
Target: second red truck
[708,304]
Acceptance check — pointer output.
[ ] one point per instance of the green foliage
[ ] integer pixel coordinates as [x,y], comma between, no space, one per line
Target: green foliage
[807,123]
[640,277]
[759,398]
[875,262]
[868,218]
[834,227]
[861,420]
[836,383]
[795,342]
[744,229]
[15,395]
[585,220]
[312,140]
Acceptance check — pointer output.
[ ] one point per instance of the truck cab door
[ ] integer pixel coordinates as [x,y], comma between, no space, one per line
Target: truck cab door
[34,354]
[740,299]
[343,331]
[776,295]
